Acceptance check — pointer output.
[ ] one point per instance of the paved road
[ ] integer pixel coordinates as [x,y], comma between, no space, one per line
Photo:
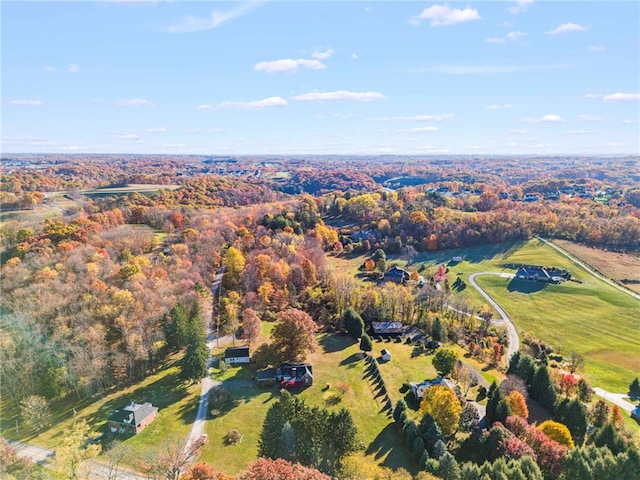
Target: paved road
[197,429]
[590,269]
[512,333]
[93,470]
[616,398]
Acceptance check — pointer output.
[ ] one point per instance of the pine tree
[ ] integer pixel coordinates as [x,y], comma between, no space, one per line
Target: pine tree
[634,389]
[542,388]
[194,362]
[437,330]
[353,323]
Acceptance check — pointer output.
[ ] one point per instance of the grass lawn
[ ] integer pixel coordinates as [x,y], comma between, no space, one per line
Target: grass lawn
[177,403]
[591,317]
[337,363]
[145,189]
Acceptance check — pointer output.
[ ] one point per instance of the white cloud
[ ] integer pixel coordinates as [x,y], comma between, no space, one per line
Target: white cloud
[257,104]
[340,95]
[499,107]
[157,130]
[416,118]
[588,118]
[522,6]
[73,68]
[175,145]
[368,9]
[354,56]
[617,144]
[592,95]
[49,69]
[27,103]
[287,65]
[217,18]
[133,102]
[512,144]
[129,136]
[445,15]
[419,130]
[567,27]
[626,122]
[513,36]
[518,131]
[546,119]
[578,132]
[622,97]
[495,40]
[596,48]
[321,54]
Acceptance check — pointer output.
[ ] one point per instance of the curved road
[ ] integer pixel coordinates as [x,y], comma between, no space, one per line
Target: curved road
[512,333]
[514,341]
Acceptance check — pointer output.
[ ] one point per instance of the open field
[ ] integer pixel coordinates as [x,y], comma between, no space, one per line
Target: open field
[177,403]
[614,265]
[591,317]
[145,189]
[337,361]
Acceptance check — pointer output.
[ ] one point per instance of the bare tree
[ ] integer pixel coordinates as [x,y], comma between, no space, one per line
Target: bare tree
[169,460]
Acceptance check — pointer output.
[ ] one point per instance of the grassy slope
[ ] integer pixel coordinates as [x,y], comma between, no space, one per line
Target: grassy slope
[591,318]
[177,403]
[336,361]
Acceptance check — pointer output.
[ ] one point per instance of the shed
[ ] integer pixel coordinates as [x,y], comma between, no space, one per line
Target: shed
[237,355]
[386,355]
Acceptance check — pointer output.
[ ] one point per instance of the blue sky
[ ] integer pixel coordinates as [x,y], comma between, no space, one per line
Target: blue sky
[333,77]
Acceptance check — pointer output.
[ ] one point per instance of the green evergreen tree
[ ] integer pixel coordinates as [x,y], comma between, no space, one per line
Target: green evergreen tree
[502,410]
[526,369]
[494,397]
[448,468]
[542,388]
[365,343]
[438,332]
[401,406]
[513,363]
[193,365]
[444,360]
[353,323]
[175,327]
[634,389]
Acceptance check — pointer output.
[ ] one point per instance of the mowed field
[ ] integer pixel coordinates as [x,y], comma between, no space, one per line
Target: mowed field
[618,266]
[146,189]
[339,372]
[592,318]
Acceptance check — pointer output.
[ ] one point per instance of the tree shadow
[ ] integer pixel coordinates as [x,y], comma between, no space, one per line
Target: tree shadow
[351,359]
[475,254]
[389,449]
[526,286]
[335,343]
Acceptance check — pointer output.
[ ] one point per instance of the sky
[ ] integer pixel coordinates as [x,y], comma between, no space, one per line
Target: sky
[332,77]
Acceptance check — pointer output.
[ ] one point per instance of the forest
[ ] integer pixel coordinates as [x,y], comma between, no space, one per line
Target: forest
[98,290]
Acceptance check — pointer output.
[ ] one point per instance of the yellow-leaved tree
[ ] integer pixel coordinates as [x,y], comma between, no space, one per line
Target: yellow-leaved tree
[517,404]
[558,432]
[443,405]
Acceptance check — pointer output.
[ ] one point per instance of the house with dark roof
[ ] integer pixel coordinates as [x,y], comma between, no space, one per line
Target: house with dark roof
[295,375]
[533,273]
[396,274]
[133,418]
[236,355]
[387,328]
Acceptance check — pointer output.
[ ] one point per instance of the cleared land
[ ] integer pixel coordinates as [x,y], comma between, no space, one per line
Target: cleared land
[146,189]
[621,267]
[591,317]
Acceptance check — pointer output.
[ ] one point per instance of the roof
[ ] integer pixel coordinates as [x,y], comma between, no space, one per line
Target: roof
[297,370]
[133,414]
[533,271]
[396,271]
[386,327]
[266,374]
[418,389]
[234,352]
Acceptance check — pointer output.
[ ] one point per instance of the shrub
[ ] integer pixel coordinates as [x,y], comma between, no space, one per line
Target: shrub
[233,437]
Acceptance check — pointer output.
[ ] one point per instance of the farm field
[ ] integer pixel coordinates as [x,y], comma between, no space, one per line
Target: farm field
[146,189]
[618,266]
[591,317]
